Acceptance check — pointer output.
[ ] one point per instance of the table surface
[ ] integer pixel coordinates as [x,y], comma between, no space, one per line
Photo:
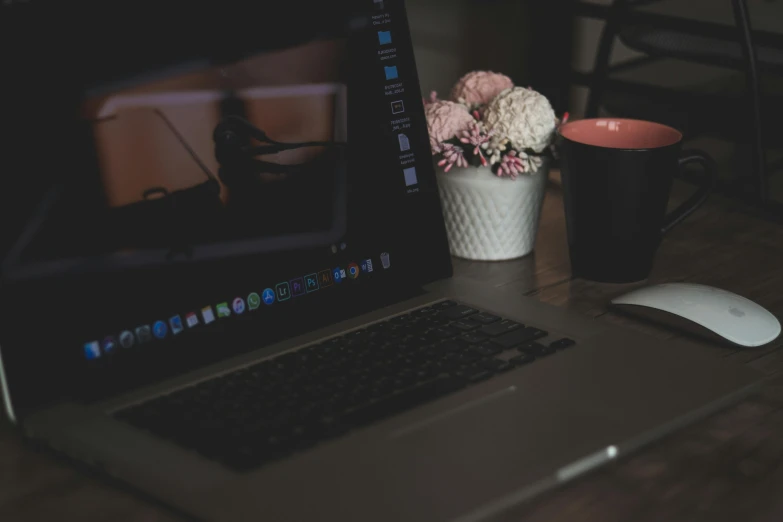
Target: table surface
[725,468]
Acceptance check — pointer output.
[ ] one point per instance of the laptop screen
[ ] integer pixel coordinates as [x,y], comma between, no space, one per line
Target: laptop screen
[215,197]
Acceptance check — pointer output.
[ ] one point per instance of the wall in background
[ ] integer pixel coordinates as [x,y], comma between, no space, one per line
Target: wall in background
[437,29]
[526,39]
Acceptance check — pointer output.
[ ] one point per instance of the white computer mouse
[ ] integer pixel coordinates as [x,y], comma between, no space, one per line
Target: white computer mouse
[730,316]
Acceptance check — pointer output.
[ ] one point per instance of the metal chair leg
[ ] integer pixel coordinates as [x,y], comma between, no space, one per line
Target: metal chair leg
[759,163]
[602,59]
[600,69]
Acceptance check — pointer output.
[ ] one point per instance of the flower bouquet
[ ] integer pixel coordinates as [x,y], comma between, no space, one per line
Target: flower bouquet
[487,134]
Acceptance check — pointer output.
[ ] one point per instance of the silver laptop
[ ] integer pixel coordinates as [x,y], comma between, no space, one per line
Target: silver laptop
[240,304]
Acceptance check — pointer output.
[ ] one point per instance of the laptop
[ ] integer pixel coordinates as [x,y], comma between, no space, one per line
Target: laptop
[236,296]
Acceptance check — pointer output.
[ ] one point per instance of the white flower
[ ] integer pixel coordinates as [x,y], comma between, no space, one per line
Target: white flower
[535,162]
[524,117]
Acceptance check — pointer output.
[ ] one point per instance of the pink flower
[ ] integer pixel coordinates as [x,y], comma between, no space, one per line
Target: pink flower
[480,87]
[446,120]
[512,165]
[452,156]
[476,136]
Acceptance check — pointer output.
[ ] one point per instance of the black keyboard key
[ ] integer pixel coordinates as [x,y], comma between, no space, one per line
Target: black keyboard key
[537,349]
[521,360]
[422,339]
[404,380]
[458,312]
[444,332]
[485,318]
[411,328]
[489,349]
[473,337]
[470,356]
[519,337]
[358,335]
[403,401]
[465,325]
[335,341]
[424,312]
[450,346]
[458,360]
[305,360]
[382,387]
[562,344]
[496,365]
[433,321]
[500,327]
[426,373]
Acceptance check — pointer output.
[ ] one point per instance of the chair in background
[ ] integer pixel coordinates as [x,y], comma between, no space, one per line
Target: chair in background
[739,119]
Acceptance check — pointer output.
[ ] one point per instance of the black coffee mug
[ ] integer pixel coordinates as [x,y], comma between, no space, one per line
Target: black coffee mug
[617,175]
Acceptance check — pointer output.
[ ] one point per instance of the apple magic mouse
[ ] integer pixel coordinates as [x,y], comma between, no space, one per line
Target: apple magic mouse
[730,316]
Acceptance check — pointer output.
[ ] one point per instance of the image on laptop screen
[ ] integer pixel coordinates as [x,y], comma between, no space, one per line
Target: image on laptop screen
[243,157]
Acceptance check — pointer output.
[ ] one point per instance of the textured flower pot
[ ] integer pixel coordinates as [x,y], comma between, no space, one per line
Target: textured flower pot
[489,218]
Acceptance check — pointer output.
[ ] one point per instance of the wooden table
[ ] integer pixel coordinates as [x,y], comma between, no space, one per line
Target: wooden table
[726,468]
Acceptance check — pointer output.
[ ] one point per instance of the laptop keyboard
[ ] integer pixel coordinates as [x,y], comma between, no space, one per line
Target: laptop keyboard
[267,411]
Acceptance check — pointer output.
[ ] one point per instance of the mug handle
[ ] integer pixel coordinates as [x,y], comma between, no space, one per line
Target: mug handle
[696,200]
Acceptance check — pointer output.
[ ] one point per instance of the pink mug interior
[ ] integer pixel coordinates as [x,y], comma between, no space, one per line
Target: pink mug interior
[620,133]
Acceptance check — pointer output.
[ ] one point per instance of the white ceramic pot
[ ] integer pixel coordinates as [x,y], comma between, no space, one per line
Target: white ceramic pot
[489,218]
